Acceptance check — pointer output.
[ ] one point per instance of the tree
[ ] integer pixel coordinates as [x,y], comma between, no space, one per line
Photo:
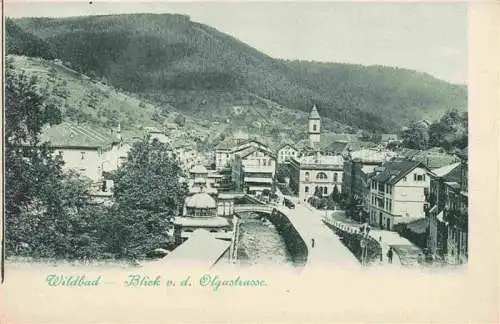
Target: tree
[148,195]
[180,120]
[450,131]
[29,166]
[415,136]
[335,194]
[48,213]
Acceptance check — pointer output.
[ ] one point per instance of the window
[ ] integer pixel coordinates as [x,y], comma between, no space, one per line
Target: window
[306,189]
[307,176]
[404,179]
[420,177]
[321,176]
[83,155]
[325,190]
[335,176]
[314,127]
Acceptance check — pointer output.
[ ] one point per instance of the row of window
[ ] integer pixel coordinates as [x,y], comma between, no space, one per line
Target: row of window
[288,153]
[387,188]
[322,190]
[322,176]
[382,203]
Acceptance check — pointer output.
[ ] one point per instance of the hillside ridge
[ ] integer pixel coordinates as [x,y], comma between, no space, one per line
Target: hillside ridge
[200,71]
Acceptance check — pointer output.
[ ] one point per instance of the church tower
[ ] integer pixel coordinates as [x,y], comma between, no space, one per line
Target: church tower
[314,127]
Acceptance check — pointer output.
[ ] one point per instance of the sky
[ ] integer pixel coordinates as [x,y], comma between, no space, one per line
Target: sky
[427,37]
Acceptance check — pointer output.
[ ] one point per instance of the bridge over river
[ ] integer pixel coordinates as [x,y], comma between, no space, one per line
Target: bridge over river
[328,250]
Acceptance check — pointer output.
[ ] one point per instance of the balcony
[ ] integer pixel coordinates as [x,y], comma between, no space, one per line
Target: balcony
[258,180]
[259,168]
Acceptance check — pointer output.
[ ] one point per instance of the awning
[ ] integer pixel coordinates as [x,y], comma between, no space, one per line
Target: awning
[440,217]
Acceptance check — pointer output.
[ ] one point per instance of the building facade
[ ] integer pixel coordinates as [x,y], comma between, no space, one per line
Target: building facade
[358,166]
[253,170]
[447,226]
[85,150]
[398,191]
[286,152]
[318,173]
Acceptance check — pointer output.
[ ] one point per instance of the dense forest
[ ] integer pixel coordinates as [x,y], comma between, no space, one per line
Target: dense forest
[198,70]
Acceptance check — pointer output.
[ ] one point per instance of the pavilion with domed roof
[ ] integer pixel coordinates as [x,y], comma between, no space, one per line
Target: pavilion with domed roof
[200,212]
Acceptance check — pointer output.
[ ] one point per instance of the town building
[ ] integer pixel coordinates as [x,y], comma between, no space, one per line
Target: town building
[225,204]
[358,167]
[224,152]
[388,138]
[447,216]
[318,173]
[157,134]
[253,169]
[200,212]
[200,181]
[286,152]
[84,149]
[398,192]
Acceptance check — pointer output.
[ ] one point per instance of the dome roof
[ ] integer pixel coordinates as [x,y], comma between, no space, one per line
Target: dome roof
[200,200]
[199,169]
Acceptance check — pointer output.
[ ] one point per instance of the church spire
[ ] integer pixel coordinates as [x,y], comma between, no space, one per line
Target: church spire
[314,127]
[314,113]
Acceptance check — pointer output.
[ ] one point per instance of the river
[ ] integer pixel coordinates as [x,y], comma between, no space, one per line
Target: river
[261,244]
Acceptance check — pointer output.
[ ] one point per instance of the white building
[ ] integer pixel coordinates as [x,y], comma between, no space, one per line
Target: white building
[324,172]
[253,169]
[85,150]
[398,192]
[225,151]
[157,134]
[286,152]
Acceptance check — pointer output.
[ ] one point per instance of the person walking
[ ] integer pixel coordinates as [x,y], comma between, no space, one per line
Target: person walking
[312,242]
[389,255]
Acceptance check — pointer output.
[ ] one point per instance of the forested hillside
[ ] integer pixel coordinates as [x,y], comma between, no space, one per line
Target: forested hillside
[198,70]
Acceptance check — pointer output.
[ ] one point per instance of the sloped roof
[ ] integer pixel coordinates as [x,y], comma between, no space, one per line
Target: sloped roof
[199,169]
[322,160]
[393,171]
[370,155]
[72,135]
[201,246]
[249,150]
[282,146]
[334,147]
[443,171]
[314,113]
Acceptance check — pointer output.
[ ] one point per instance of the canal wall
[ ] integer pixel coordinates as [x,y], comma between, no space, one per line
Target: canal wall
[352,240]
[295,245]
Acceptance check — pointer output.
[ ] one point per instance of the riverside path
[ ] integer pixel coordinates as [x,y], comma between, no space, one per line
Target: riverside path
[328,250]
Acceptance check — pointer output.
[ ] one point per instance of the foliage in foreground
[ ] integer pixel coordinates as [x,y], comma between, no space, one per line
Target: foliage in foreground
[50,214]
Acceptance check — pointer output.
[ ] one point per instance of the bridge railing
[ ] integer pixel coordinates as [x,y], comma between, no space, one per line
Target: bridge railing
[240,208]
